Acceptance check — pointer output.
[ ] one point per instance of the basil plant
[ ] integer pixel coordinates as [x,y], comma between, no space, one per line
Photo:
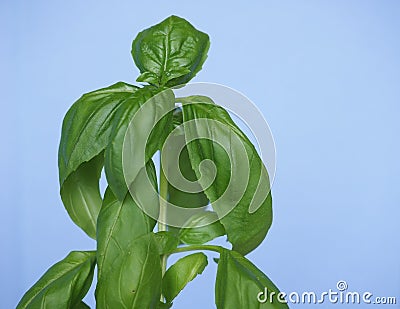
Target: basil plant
[210,182]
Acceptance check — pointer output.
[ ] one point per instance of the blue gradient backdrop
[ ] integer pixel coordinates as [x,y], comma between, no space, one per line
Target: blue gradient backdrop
[326,75]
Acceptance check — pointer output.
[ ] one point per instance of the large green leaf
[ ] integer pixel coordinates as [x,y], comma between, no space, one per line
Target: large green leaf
[138,131]
[237,182]
[179,161]
[201,228]
[87,126]
[119,223]
[134,279]
[170,53]
[181,273]
[179,171]
[64,284]
[239,283]
[80,194]
[85,133]
[182,198]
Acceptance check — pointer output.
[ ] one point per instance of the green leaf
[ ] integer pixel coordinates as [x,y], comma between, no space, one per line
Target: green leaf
[134,279]
[241,181]
[64,284]
[80,194]
[135,143]
[177,164]
[85,133]
[170,53]
[166,242]
[81,305]
[176,142]
[87,126]
[119,223]
[208,228]
[239,283]
[181,198]
[181,273]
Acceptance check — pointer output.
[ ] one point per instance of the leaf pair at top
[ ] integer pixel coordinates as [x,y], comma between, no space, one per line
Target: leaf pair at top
[170,53]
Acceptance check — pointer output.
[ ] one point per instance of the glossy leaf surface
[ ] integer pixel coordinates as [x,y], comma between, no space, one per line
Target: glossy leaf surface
[240,174]
[80,194]
[177,165]
[181,273]
[170,53]
[239,283]
[179,161]
[202,228]
[85,135]
[139,129]
[64,284]
[133,280]
[119,223]
[87,126]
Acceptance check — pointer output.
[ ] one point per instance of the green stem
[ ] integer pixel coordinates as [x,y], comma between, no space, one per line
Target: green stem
[198,247]
[163,211]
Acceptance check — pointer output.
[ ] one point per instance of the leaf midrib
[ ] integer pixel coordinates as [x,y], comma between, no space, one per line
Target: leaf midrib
[89,118]
[51,281]
[108,238]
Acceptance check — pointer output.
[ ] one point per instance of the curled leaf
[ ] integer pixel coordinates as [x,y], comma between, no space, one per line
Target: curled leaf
[181,273]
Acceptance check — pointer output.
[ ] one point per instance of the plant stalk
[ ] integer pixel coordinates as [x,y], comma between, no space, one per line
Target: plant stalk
[162,217]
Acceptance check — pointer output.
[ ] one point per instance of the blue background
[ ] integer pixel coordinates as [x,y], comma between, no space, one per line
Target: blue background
[326,76]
